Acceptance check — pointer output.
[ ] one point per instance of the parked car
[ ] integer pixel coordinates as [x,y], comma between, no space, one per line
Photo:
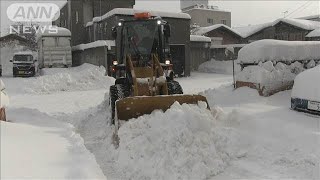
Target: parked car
[4,102]
[306,91]
[24,64]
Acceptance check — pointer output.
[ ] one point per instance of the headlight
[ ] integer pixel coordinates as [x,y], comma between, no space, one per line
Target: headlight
[120,24]
[115,63]
[159,22]
[168,62]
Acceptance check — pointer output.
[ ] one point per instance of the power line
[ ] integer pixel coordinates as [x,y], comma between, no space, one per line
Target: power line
[302,6]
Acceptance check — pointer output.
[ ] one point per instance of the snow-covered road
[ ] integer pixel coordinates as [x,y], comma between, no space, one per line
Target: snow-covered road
[253,137]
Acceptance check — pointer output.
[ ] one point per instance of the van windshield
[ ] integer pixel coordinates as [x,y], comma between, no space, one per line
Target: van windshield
[23,58]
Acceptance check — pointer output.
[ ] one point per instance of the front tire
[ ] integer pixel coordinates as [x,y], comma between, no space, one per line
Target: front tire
[174,88]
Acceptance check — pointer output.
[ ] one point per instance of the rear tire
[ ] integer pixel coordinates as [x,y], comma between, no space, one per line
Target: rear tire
[117,92]
[174,88]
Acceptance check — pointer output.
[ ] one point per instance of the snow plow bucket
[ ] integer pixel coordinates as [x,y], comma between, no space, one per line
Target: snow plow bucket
[133,107]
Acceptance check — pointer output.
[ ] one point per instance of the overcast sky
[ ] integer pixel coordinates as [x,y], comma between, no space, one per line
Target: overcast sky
[243,12]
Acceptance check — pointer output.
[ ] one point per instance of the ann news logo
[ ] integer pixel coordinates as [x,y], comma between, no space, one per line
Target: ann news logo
[33,12]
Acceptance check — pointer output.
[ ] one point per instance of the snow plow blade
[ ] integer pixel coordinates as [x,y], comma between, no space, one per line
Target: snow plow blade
[133,107]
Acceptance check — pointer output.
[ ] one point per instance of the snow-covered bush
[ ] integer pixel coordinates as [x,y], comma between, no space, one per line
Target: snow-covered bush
[267,78]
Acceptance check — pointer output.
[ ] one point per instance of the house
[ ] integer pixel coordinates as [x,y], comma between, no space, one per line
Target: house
[200,50]
[204,15]
[83,11]
[311,18]
[281,29]
[187,3]
[314,35]
[14,39]
[220,34]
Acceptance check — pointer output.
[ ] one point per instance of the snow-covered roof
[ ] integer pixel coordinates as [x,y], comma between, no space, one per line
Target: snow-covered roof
[198,38]
[305,86]
[131,12]
[314,33]
[99,43]
[310,17]
[276,50]
[204,9]
[204,30]
[301,23]
[228,45]
[62,32]
[247,31]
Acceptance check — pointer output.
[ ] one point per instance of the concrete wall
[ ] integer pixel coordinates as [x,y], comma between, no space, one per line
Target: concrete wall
[199,53]
[200,16]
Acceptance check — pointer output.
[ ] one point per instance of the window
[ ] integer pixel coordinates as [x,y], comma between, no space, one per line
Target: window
[77,17]
[224,22]
[210,21]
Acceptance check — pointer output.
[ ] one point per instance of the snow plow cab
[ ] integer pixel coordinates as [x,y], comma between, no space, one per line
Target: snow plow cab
[143,70]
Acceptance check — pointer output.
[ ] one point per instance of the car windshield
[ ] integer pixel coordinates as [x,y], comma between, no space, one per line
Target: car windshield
[140,37]
[23,58]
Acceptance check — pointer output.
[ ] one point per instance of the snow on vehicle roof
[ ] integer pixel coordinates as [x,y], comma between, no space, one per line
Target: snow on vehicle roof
[314,33]
[130,12]
[277,50]
[197,38]
[310,17]
[229,45]
[24,53]
[247,31]
[204,30]
[307,86]
[99,43]
[49,32]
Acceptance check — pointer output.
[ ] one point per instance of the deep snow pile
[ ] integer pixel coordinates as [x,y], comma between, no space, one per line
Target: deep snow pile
[84,77]
[307,86]
[214,66]
[182,143]
[267,74]
[276,50]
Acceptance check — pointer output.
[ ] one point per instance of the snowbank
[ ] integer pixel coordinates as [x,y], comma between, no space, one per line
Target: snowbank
[84,77]
[307,86]
[4,99]
[223,67]
[182,143]
[276,50]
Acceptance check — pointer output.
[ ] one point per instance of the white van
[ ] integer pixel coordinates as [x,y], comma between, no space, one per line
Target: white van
[54,48]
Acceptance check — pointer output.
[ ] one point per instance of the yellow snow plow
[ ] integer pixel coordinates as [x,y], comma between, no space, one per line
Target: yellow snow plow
[143,70]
